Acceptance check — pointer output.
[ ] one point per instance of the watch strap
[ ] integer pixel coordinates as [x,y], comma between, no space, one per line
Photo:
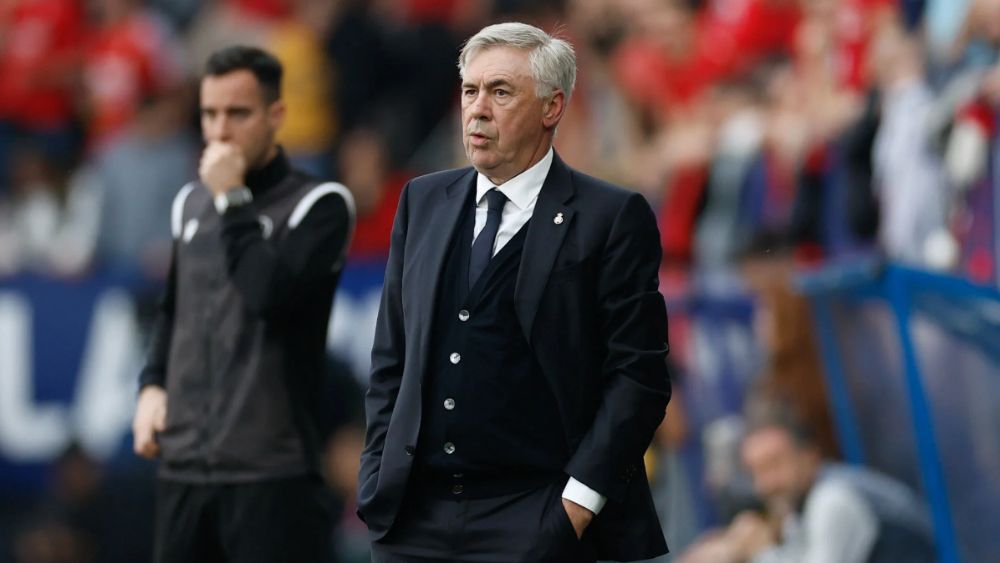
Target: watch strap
[235,197]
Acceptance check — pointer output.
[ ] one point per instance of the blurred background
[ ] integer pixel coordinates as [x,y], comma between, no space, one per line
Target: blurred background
[825,175]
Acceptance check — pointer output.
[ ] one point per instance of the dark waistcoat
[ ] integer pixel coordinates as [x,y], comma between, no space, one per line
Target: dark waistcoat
[488,409]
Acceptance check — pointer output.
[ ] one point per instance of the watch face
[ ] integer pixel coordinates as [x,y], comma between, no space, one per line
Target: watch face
[232,198]
[239,196]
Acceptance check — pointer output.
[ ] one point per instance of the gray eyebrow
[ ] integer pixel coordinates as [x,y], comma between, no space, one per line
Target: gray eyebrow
[491,84]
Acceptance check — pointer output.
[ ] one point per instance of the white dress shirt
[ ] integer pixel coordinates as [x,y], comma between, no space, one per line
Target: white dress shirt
[522,195]
[836,526]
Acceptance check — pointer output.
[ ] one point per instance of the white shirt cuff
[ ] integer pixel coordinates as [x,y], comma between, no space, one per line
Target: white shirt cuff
[583,495]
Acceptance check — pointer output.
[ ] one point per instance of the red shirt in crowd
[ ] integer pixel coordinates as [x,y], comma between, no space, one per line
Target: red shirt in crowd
[265,9]
[373,230]
[736,33]
[37,57]
[855,19]
[728,37]
[125,63]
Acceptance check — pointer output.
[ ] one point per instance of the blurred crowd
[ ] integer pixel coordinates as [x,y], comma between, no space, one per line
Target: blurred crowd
[825,127]
[811,129]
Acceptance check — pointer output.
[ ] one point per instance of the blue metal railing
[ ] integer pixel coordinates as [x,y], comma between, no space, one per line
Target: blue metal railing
[897,287]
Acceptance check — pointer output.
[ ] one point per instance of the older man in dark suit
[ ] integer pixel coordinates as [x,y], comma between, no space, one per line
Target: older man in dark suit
[518,371]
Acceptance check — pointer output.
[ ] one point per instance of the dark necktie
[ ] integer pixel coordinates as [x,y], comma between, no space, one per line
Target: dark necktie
[482,249]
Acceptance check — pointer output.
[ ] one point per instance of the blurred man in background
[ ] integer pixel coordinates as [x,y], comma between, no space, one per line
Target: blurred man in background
[518,370]
[816,511]
[230,395]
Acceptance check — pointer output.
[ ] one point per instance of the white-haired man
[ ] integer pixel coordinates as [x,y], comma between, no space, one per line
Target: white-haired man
[518,371]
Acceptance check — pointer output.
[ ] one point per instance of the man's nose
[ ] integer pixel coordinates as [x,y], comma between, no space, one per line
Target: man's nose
[219,129]
[480,107]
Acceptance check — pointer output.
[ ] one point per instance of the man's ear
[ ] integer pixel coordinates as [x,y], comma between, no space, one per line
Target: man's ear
[276,114]
[553,109]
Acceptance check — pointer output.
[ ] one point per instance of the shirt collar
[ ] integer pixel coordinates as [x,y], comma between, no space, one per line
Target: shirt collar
[522,189]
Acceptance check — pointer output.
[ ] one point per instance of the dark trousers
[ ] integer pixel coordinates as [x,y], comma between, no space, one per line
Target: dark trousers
[286,520]
[524,527]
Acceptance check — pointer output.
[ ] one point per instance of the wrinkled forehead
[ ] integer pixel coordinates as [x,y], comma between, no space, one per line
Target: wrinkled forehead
[488,62]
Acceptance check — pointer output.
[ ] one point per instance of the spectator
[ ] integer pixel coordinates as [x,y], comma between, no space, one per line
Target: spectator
[826,512]
[130,58]
[138,177]
[310,124]
[231,22]
[909,174]
[365,167]
[39,41]
[88,516]
[51,221]
[791,370]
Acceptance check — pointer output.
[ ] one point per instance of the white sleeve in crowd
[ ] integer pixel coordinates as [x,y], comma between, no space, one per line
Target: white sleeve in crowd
[837,527]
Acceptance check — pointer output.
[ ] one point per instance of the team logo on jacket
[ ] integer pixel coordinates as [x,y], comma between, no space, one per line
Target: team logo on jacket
[266,226]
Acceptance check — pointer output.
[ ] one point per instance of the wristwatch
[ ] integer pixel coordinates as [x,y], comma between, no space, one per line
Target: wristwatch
[232,198]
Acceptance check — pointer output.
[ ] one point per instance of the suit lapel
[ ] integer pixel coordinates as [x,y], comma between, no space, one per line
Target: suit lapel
[439,231]
[547,229]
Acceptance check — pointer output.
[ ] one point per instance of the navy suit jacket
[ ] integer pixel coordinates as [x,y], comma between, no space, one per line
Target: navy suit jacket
[587,300]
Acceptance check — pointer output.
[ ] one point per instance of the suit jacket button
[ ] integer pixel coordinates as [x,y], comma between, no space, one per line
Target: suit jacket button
[409,450]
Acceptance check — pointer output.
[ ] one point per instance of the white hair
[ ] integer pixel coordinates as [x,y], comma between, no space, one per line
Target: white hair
[553,61]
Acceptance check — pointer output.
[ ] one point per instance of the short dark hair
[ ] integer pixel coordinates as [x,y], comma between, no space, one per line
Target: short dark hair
[264,66]
[782,418]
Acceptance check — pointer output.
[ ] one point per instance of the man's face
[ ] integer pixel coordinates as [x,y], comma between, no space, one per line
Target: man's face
[234,110]
[782,470]
[506,126]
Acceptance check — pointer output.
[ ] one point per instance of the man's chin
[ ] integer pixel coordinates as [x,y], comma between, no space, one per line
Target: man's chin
[481,161]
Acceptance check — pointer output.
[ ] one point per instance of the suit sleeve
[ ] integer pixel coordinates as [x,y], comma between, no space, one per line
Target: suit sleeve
[155,370]
[388,353]
[271,274]
[633,321]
